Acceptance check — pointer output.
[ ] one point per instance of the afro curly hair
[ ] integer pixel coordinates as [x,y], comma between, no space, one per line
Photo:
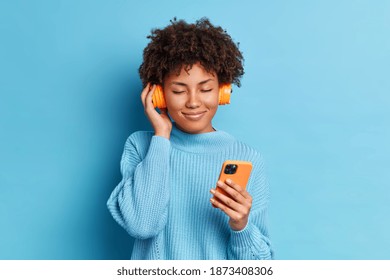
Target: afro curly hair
[181,44]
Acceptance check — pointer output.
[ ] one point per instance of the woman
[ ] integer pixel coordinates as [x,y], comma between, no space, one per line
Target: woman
[163,199]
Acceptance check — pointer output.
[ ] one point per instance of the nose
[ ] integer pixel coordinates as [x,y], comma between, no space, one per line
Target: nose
[193,100]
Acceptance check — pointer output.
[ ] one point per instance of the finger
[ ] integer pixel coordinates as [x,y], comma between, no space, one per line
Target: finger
[226,201]
[238,220]
[144,93]
[231,213]
[243,199]
[233,192]
[148,98]
[238,188]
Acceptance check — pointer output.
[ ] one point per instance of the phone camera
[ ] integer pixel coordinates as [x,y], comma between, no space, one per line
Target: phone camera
[230,169]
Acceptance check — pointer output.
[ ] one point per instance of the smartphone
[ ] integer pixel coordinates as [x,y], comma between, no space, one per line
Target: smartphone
[236,170]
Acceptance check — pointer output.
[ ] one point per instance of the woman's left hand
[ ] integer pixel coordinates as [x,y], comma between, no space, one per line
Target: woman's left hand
[237,206]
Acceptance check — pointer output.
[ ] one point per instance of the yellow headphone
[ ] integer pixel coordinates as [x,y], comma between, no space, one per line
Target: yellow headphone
[224,96]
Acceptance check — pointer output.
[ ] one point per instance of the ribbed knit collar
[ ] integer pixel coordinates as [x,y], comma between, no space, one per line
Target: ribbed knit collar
[209,142]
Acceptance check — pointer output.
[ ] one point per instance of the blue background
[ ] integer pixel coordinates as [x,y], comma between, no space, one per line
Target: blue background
[314,99]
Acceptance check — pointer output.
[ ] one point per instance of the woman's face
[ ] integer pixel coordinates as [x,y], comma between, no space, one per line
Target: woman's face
[192,99]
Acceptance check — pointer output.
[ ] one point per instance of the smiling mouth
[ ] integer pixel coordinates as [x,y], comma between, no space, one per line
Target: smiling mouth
[194,116]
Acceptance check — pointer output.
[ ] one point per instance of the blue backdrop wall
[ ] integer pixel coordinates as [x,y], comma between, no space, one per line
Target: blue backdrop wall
[314,99]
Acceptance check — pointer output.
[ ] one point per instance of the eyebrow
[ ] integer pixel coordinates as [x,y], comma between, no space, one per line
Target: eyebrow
[184,84]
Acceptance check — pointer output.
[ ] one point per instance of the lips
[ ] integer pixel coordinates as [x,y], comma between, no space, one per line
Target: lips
[194,116]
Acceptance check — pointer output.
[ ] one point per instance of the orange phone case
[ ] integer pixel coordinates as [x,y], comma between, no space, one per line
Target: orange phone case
[240,177]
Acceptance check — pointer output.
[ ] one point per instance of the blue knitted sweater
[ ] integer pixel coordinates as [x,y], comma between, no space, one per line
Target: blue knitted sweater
[163,199]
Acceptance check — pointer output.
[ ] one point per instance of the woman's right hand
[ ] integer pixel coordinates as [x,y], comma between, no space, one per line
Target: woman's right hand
[161,122]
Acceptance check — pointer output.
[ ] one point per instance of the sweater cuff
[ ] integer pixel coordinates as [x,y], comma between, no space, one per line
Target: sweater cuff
[159,146]
[245,237]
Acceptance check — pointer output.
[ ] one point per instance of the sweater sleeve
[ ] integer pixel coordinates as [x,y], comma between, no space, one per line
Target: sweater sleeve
[139,203]
[252,242]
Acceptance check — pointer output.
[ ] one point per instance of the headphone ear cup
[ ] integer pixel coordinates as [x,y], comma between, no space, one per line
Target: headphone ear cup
[158,98]
[224,94]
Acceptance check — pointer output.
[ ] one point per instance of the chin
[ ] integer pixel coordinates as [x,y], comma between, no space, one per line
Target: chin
[194,129]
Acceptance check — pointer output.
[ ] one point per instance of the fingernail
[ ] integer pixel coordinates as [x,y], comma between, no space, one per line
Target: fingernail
[212,200]
[219,183]
[212,191]
[228,181]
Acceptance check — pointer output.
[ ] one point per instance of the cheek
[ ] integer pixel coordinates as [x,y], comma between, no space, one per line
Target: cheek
[212,101]
[174,102]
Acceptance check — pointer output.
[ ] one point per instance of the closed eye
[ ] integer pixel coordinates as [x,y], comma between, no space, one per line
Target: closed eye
[177,92]
[206,90]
